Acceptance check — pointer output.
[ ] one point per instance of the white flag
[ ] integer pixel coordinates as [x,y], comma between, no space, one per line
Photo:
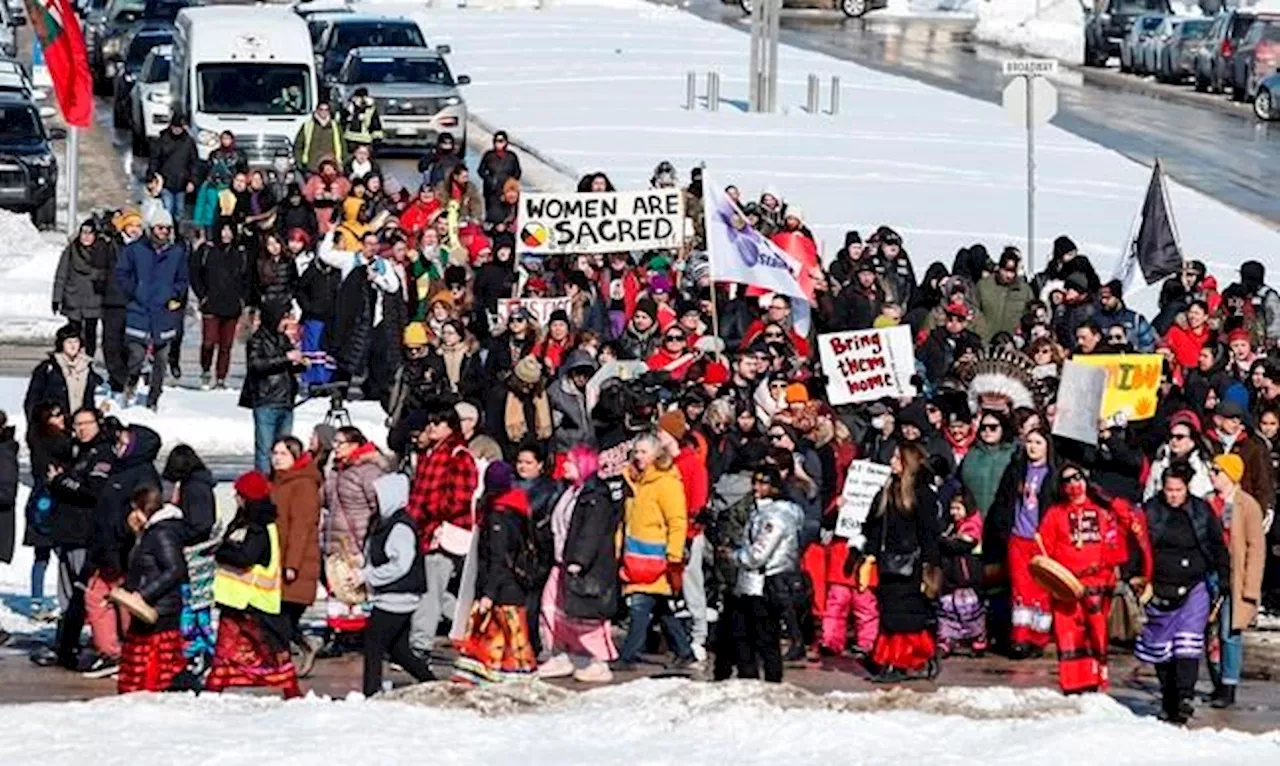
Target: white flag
[739,253]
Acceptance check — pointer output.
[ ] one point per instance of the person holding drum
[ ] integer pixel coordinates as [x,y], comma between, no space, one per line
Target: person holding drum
[1188,552]
[1084,537]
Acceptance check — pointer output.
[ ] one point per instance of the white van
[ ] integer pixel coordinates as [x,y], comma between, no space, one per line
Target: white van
[249,70]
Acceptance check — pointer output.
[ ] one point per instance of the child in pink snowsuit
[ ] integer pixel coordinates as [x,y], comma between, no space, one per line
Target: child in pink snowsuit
[844,596]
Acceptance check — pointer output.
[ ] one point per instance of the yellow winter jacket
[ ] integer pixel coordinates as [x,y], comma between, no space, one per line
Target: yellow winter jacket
[655,520]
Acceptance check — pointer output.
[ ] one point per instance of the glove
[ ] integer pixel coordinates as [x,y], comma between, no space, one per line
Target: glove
[57,307]
[675,575]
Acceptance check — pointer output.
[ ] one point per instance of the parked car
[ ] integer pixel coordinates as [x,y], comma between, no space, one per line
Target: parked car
[140,42]
[416,94]
[14,79]
[1176,58]
[1258,56]
[854,9]
[108,41]
[28,167]
[318,14]
[349,31]
[9,23]
[1141,30]
[1106,28]
[149,101]
[1266,102]
[1213,61]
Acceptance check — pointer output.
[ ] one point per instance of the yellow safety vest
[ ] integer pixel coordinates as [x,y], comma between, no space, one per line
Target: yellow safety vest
[257,586]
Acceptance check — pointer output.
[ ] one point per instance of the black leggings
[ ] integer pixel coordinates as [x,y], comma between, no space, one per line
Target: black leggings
[750,638]
[1177,682]
[387,633]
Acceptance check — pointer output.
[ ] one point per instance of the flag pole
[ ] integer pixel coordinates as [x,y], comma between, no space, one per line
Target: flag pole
[1168,206]
[711,269]
[73,176]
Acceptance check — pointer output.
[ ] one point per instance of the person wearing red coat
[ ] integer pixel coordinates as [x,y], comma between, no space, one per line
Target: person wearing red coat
[1089,537]
[673,356]
[1187,340]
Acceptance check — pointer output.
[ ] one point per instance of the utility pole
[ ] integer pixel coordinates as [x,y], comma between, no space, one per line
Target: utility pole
[762,82]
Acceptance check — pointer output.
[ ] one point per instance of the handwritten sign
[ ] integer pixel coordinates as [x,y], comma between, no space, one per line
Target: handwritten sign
[1080,395]
[861,484]
[540,309]
[601,222]
[866,365]
[1133,381]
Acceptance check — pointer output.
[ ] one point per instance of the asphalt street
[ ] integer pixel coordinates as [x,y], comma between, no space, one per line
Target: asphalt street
[1222,153]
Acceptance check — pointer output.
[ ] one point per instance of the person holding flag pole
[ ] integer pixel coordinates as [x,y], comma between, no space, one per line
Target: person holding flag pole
[60,39]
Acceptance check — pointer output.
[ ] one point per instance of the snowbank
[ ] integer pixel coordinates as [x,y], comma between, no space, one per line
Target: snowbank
[212,422]
[28,262]
[1056,31]
[650,722]
[596,88]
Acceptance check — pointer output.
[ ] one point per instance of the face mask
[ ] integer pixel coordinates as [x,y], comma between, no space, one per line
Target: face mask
[877,422]
[1074,490]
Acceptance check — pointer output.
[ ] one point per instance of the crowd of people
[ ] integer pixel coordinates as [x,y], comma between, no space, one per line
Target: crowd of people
[663,449]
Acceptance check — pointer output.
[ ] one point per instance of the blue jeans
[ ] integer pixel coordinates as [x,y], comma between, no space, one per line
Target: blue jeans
[1232,645]
[641,606]
[269,424]
[174,202]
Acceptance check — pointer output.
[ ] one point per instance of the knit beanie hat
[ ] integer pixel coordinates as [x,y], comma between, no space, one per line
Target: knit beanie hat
[648,306]
[1230,464]
[674,423]
[499,477]
[253,486]
[528,370]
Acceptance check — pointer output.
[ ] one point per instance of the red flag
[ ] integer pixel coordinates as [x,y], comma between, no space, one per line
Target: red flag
[805,252]
[58,32]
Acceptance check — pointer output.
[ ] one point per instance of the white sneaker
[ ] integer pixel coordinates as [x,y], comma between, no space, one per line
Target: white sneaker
[559,666]
[595,673]
[700,652]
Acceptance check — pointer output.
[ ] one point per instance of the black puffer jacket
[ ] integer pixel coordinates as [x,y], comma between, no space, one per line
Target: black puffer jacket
[317,291]
[270,381]
[199,507]
[220,279]
[112,539]
[591,548]
[76,491]
[273,280]
[156,565]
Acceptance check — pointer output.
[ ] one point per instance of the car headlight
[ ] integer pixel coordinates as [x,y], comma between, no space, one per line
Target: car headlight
[156,97]
[207,138]
[41,160]
[452,101]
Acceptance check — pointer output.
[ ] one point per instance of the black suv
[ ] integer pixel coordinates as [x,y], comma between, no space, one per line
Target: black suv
[1104,30]
[28,168]
[358,30]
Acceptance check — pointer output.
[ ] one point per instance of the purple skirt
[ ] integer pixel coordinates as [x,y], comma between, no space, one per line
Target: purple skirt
[1175,633]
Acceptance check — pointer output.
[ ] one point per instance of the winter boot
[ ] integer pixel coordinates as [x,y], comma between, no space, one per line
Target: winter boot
[559,666]
[1224,697]
[595,673]
[206,380]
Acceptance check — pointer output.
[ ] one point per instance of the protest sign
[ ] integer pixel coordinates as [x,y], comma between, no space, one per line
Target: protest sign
[866,365]
[1133,381]
[861,484]
[540,309]
[1080,393]
[601,222]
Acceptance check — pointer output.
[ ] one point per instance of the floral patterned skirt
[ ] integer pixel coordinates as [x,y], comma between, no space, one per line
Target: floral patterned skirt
[496,647]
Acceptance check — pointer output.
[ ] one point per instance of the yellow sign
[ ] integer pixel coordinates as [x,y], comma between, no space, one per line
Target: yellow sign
[1133,381]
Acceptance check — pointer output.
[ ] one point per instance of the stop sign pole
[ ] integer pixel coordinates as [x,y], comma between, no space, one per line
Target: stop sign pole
[1030,100]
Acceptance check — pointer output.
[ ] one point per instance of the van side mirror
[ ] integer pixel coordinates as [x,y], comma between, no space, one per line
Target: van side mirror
[58,134]
[464,79]
[444,50]
[18,21]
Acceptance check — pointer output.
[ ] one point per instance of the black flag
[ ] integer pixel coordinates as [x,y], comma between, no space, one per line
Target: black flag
[1156,246]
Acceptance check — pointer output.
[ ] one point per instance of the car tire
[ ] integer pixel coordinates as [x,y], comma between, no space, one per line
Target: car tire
[45,216]
[1237,92]
[1125,68]
[1202,84]
[1264,107]
[855,9]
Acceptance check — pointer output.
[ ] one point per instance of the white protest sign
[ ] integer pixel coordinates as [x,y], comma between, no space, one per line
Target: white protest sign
[540,309]
[866,365]
[861,484]
[601,222]
[1080,393]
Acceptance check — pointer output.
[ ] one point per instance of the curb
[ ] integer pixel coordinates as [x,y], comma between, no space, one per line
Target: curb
[1182,94]
[566,175]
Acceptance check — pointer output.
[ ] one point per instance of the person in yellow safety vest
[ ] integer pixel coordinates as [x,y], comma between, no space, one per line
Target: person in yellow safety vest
[253,635]
[361,124]
[319,137]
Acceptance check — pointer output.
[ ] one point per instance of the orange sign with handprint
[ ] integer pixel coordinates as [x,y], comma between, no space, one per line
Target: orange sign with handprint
[1133,382]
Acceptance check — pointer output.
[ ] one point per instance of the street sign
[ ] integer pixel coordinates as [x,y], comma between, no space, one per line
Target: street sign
[1044,101]
[1032,67]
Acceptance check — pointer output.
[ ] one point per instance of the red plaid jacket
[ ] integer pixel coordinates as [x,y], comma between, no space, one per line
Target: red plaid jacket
[442,489]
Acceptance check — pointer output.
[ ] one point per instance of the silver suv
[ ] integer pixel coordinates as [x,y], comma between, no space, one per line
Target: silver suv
[416,95]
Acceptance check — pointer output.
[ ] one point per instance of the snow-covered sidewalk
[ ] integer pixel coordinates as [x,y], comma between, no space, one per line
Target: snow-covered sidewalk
[642,722]
[28,263]
[601,87]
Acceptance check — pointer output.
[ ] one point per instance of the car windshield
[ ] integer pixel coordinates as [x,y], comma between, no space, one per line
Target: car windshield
[159,69]
[240,88]
[386,69]
[1134,7]
[1196,29]
[377,35]
[141,46]
[19,124]
[1150,23]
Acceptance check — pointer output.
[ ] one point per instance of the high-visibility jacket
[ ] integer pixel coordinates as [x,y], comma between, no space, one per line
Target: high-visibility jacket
[302,144]
[362,124]
[258,586]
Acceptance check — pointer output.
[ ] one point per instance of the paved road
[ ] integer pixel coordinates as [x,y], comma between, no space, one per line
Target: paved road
[1232,159]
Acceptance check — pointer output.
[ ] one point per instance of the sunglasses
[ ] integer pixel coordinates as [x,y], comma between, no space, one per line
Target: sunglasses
[1073,477]
[676,338]
[1117,338]
[1177,437]
[777,436]
[773,335]
[989,427]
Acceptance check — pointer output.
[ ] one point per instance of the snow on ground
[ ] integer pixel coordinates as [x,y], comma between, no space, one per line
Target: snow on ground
[649,722]
[212,422]
[28,262]
[1053,28]
[602,88]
